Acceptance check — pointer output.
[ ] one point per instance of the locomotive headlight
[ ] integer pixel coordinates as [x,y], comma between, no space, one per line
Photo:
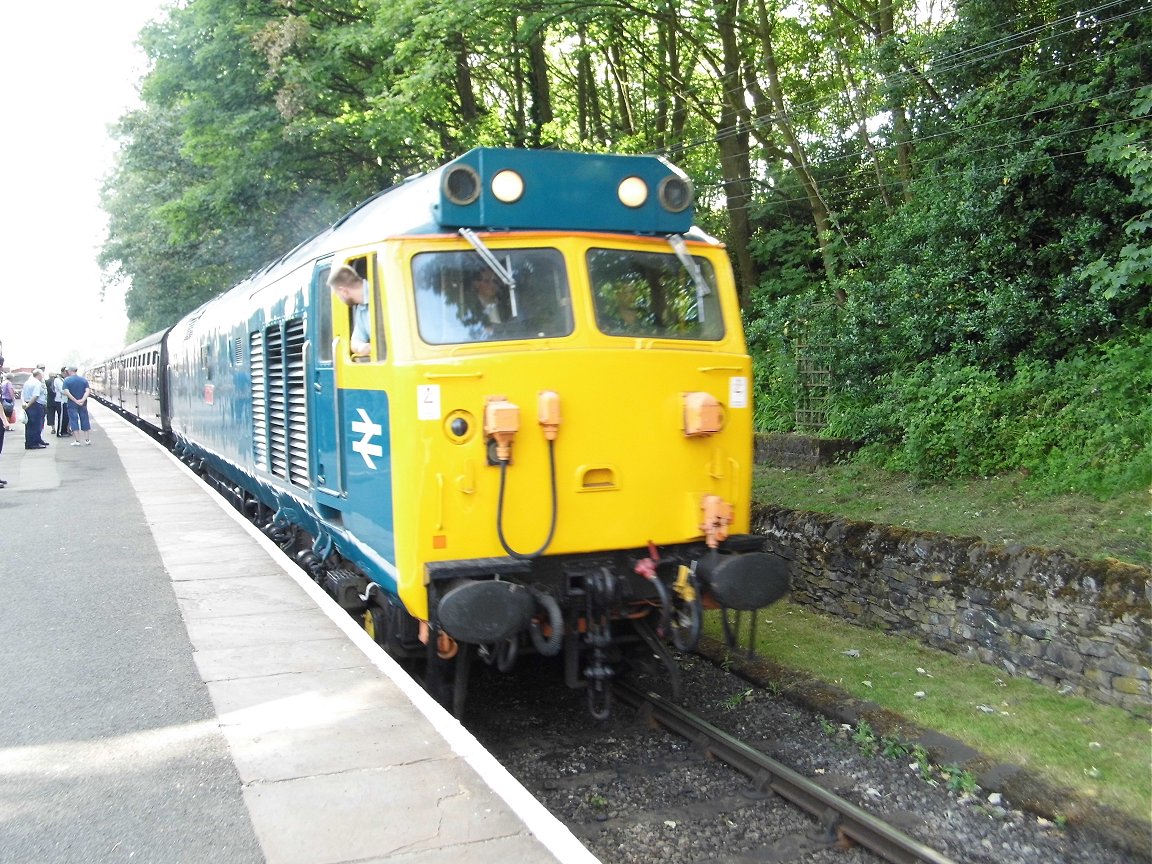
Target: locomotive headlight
[675,194]
[507,186]
[459,426]
[461,185]
[632,191]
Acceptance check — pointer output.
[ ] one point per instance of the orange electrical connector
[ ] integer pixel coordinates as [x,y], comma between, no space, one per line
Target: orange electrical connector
[502,422]
[550,413]
[717,516]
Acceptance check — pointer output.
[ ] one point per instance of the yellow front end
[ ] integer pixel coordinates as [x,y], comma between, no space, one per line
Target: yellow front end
[647,438]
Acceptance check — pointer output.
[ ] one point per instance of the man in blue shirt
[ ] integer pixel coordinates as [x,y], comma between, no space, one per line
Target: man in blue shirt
[350,287]
[76,388]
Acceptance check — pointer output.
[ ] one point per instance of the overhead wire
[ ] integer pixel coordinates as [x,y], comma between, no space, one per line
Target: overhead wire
[1014,143]
[1076,18]
[794,110]
[944,63]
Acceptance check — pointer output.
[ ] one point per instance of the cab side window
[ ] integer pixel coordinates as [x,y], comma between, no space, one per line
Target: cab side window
[356,282]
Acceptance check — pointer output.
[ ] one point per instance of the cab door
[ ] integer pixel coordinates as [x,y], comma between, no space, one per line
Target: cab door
[324,399]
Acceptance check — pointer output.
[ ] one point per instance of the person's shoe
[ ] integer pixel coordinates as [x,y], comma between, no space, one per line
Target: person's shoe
[75,443]
[43,443]
[3,483]
[87,443]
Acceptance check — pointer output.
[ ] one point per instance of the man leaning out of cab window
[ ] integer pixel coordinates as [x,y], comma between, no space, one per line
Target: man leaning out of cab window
[350,287]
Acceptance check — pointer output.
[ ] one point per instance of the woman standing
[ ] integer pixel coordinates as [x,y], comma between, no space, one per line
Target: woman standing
[7,416]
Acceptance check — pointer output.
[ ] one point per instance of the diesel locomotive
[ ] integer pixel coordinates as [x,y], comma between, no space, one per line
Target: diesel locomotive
[558,462]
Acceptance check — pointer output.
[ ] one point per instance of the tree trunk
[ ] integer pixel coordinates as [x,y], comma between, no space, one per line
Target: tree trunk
[901,135]
[735,164]
[465,92]
[793,149]
[541,107]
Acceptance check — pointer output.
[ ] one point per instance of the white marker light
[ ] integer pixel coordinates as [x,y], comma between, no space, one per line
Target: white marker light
[508,186]
[633,192]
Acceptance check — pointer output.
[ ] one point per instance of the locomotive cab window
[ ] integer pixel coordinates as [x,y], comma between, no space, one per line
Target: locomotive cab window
[654,294]
[356,288]
[460,298]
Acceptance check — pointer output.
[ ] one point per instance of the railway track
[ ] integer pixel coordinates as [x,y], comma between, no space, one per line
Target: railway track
[660,784]
[842,820]
[736,774]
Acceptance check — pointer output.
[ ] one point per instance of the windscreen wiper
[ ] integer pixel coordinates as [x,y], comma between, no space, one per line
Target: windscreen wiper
[702,287]
[504,274]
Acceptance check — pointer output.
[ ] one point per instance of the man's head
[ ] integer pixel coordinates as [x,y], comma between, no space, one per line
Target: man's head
[71,370]
[38,373]
[347,284]
[485,286]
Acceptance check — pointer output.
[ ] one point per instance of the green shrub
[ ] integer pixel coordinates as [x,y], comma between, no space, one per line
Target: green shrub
[1079,424]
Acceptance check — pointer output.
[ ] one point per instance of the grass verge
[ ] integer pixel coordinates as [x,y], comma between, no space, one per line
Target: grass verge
[996,509]
[1101,752]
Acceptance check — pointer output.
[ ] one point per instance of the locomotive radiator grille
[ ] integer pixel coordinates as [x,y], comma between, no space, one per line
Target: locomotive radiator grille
[279,406]
[259,401]
[296,408]
[277,415]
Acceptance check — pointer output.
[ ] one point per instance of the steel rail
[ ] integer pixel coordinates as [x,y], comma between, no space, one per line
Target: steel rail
[841,817]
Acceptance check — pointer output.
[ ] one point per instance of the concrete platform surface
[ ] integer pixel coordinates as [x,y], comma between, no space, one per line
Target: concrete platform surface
[175,690]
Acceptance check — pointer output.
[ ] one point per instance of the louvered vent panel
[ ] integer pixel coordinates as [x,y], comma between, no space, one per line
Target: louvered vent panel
[296,404]
[259,401]
[277,413]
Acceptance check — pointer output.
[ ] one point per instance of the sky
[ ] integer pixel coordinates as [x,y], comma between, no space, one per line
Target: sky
[69,70]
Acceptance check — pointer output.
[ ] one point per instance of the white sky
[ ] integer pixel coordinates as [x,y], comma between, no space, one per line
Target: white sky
[69,71]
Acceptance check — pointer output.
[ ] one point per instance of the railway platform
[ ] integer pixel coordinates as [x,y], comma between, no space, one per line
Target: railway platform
[173,690]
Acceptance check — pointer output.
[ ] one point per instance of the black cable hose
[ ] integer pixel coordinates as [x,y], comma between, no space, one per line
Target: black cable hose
[506,653]
[551,646]
[500,508]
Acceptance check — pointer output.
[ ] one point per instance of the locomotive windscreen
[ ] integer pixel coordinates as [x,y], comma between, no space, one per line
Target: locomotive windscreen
[460,299]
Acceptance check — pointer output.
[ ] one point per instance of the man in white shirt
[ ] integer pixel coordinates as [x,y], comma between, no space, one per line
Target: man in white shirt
[35,396]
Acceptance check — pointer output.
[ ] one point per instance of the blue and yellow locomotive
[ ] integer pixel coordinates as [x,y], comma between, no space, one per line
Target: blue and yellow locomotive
[547,447]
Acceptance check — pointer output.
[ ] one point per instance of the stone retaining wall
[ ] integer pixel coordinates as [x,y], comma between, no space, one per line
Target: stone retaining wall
[806,452]
[1082,626]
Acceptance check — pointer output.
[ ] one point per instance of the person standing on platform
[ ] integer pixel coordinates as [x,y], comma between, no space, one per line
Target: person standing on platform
[35,404]
[61,428]
[52,405]
[8,397]
[76,387]
[7,420]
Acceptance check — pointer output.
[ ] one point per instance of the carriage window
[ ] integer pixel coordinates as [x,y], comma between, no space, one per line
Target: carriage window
[652,294]
[460,299]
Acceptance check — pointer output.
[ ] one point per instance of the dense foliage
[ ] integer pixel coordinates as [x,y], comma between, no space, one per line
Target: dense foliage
[940,217]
